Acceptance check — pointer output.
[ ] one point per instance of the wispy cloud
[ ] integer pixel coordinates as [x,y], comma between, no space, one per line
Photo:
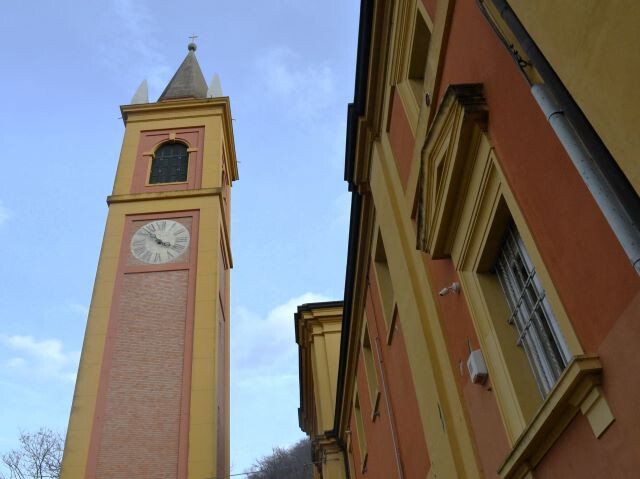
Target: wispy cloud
[306,88]
[131,46]
[45,359]
[264,346]
[78,308]
[5,213]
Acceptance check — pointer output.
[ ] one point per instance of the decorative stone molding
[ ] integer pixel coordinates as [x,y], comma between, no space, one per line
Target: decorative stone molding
[447,159]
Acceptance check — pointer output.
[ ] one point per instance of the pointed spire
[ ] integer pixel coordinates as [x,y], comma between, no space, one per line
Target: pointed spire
[141,95]
[188,81]
[215,88]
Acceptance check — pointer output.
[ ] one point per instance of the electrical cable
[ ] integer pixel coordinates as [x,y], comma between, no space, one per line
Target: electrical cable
[511,48]
[277,470]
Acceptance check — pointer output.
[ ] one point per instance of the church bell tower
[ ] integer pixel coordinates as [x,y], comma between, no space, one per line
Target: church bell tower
[152,394]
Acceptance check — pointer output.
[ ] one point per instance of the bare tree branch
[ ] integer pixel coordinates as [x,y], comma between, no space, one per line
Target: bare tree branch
[292,463]
[39,456]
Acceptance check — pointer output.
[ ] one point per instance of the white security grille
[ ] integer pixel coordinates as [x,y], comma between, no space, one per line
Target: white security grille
[531,314]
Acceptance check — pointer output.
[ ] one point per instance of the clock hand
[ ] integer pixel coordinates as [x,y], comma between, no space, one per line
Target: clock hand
[155,238]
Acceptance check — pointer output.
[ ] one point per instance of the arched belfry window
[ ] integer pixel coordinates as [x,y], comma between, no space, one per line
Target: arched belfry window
[170,163]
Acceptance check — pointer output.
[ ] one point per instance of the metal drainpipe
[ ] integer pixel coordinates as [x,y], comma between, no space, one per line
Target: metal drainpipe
[616,198]
[392,420]
[602,193]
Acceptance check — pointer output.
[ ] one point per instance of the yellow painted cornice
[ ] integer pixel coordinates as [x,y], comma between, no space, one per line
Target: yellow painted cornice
[365,238]
[314,321]
[162,195]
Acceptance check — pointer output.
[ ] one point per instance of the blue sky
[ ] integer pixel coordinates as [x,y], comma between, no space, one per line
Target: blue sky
[288,66]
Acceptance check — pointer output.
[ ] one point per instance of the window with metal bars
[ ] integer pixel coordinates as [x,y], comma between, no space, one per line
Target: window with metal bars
[170,163]
[538,332]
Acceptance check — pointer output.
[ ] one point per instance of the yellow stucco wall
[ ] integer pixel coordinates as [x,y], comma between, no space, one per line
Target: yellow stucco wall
[593,47]
[202,420]
[318,332]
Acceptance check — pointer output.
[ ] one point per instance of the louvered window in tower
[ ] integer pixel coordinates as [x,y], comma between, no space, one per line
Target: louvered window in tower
[170,164]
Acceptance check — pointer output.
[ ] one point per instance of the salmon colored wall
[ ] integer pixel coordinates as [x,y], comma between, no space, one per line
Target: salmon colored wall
[381,461]
[480,401]
[615,454]
[587,265]
[402,394]
[401,138]
[378,438]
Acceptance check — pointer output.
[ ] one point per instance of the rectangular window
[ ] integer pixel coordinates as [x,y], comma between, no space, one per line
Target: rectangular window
[538,332]
[352,466]
[418,58]
[169,164]
[362,442]
[384,280]
[370,370]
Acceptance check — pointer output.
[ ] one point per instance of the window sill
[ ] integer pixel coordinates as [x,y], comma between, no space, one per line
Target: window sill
[578,389]
[170,183]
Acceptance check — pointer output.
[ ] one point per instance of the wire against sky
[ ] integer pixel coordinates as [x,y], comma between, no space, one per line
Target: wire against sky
[280,469]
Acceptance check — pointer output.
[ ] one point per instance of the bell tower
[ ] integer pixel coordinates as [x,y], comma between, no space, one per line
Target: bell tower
[152,394]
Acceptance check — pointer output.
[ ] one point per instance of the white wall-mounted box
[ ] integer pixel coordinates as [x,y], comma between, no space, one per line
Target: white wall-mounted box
[477,367]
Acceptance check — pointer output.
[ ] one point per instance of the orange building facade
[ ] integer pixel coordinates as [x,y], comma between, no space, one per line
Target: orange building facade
[492,292]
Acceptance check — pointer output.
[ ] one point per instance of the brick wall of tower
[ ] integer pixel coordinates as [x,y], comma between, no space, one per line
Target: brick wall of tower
[142,411]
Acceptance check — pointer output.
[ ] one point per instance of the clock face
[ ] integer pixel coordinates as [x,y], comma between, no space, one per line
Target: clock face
[160,241]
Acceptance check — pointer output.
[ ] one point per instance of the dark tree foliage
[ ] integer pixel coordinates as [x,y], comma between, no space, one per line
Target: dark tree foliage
[39,456]
[292,463]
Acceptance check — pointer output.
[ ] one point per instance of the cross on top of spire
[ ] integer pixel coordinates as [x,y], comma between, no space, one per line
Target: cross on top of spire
[192,44]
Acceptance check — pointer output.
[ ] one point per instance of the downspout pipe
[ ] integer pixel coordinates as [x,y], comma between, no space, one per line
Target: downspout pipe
[614,211]
[609,186]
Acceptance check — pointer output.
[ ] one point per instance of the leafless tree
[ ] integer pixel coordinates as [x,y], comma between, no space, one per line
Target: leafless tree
[292,463]
[38,457]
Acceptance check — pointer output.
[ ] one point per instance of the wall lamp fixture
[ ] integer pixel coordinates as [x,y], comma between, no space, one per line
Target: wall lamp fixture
[455,287]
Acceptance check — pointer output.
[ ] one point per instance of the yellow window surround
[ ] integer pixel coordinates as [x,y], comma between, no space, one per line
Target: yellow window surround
[410,50]
[464,206]
[448,155]
[385,285]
